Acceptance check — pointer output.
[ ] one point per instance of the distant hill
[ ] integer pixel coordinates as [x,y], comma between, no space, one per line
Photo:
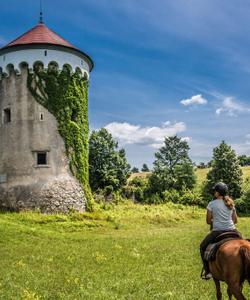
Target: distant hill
[201,174]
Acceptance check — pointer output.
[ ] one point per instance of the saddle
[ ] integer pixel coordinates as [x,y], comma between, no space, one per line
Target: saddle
[210,253]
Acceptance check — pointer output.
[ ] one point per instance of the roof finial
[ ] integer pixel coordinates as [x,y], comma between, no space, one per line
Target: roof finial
[41,13]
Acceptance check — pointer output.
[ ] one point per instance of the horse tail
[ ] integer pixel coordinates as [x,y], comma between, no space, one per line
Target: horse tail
[245,254]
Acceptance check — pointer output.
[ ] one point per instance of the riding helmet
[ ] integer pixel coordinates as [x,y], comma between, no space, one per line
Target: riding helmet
[221,188]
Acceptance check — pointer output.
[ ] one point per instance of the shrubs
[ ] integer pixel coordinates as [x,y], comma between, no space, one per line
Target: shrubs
[243,203]
[171,196]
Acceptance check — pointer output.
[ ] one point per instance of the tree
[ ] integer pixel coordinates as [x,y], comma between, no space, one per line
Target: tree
[225,168]
[135,170]
[108,166]
[145,168]
[202,165]
[173,169]
[244,160]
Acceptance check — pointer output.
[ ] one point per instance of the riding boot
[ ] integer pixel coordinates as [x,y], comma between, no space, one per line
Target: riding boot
[206,267]
[205,274]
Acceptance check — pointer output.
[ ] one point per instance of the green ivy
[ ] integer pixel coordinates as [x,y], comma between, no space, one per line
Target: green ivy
[65,95]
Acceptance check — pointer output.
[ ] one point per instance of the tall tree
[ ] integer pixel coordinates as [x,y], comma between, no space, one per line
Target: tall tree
[145,168]
[108,166]
[225,168]
[173,168]
[135,170]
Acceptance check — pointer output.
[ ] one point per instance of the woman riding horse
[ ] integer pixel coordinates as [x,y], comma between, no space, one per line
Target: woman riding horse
[222,216]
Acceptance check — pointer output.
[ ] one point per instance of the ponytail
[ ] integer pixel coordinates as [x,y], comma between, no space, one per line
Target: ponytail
[228,202]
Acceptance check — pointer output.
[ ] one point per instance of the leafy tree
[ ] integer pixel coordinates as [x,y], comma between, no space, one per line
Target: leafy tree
[244,160]
[108,166]
[209,164]
[202,165]
[173,168]
[243,203]
[145,168]
[225,168]
[135,170]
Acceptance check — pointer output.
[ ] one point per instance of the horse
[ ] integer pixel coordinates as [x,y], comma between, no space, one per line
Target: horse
[231,265]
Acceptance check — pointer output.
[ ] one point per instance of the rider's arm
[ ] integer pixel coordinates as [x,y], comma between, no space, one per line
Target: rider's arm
[234,217]
[209,217]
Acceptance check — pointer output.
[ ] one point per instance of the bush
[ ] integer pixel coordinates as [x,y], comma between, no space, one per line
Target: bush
[191,197]
[171,196]
[154,199]
[139,194]
[108,190]
[243,204]
[135,189]
[240,205]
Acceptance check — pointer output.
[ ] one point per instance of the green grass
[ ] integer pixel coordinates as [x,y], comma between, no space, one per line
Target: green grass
[124,252]
[202,174]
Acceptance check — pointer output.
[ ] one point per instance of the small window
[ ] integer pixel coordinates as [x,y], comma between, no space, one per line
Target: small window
[45,53]
[42,158]
[6,115]
[4,58]
[41,117]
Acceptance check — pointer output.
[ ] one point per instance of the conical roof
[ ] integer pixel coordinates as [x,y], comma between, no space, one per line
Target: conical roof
[40,34]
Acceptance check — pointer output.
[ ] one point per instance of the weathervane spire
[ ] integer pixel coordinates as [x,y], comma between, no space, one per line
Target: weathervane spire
[41,13]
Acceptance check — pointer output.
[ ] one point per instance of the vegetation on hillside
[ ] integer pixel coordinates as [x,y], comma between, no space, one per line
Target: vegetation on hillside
[173,178]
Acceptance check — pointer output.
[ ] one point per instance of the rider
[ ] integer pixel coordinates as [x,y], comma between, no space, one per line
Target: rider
[222,216]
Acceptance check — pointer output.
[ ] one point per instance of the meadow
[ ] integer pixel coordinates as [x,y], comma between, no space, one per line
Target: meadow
[202,174]
[120,252]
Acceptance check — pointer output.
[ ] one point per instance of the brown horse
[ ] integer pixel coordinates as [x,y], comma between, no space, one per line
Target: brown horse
[232,265]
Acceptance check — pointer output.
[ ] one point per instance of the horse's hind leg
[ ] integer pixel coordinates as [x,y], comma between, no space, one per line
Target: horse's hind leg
[230,294]
[236,290]
[218,290]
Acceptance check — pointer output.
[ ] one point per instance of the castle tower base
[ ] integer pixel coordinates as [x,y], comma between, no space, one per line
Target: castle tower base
[60,195]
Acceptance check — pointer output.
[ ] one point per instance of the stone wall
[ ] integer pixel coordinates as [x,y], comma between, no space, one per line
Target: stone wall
[24,184]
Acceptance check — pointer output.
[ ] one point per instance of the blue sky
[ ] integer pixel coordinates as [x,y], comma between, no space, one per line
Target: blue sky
[161,67]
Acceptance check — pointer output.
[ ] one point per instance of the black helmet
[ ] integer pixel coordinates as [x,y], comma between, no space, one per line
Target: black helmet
[221,188]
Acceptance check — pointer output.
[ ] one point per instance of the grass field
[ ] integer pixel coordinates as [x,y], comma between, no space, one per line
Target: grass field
[126,252]
[202,174]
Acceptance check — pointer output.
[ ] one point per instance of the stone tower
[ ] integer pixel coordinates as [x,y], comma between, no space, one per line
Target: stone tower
[43,123]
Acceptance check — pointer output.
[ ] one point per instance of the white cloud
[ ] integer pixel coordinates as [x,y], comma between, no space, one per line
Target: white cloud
[195,100]
[154,136]
[232,107]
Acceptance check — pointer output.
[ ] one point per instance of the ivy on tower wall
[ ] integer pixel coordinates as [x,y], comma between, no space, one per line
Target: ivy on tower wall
[65,95]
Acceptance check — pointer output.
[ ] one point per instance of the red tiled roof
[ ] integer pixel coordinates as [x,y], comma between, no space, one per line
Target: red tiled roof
[40,34]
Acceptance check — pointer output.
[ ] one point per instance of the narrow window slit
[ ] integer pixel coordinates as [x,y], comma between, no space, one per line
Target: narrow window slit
[7,115]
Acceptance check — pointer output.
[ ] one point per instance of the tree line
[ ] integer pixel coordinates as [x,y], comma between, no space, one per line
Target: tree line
[172,178]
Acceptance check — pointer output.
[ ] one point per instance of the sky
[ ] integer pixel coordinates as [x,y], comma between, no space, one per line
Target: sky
[162,68]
